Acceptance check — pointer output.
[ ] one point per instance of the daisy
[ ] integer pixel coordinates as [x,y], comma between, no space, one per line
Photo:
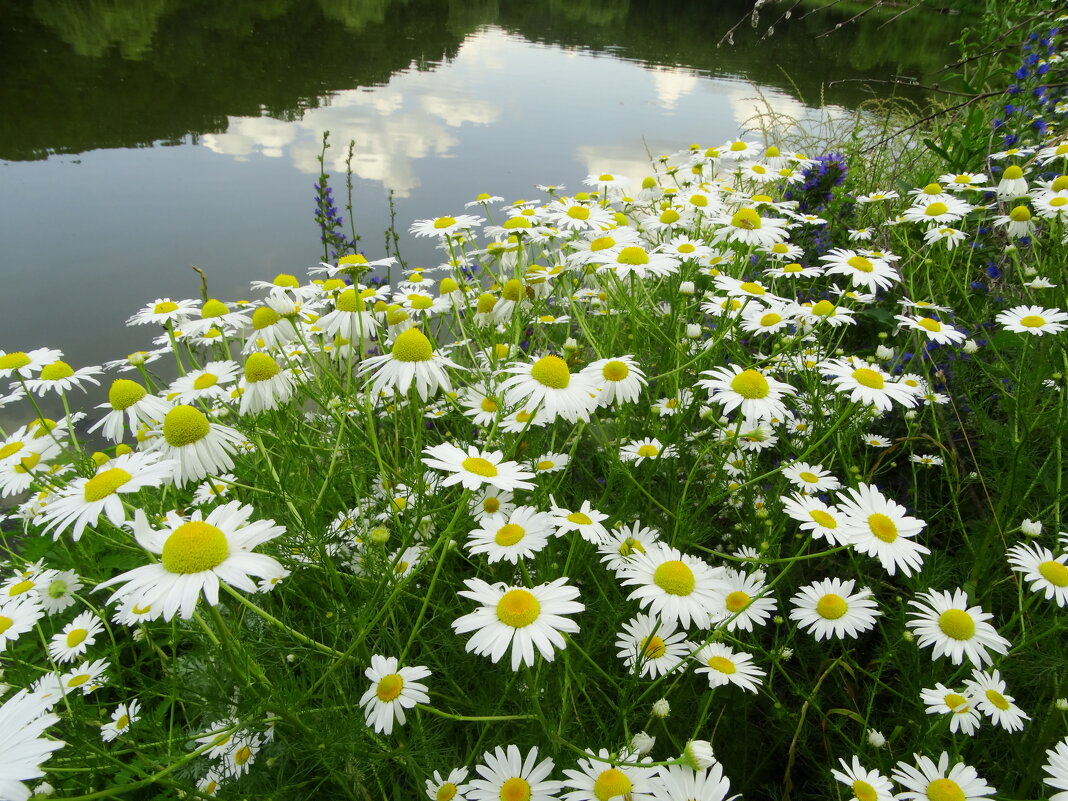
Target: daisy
[490,500]
[942,700]
[122,718]
[625,541]
[875,440]
[412,358]
[988,690]
[551,462]
[934,330]
[829,608]
[476,468]
[75,638]
[164,311]
[17,616]
[635,260]
[521,534]
[1057,768]
[58,592]
[128,399]
[443,227]
[550,386]
[760,319]
[875,197]
[653,647]
[569,214]
[965,180]
[863,271]
[747,227]
[1033,320]
[518,618]
[60,377]
[196,554]
[24,717]
[83,500]
[867,785]
[241,753]
[481,406]
[1052,205]
[945,622]
[940,209]
[638,450]
[792,269]
[880,527]
[824,312]
[587,521]
[950,237]
[823,520]
[1017,223]
[619,379]
[24,365]
[740,601]
[667,407]
[755,394]
[723,665]
[811,479]
[197,446]
[672,585]
[1013,184]
[868,384]
[599,779]
[393,689]
[264,385]
[447,788]
[87,677]
[1044,572]
[930,782]
[507,776]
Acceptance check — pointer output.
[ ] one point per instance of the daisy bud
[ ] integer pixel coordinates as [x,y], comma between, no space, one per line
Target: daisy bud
[970,346]
[698,754]
[642,743]
[570,346]
[876,739]
[884,353]
[910,414]
[908,636]
[1032,528]
[687,288]
[380,535]
[693,331]
[786,654]
[661,708]
[43,790]
[1061,704]
[291,658]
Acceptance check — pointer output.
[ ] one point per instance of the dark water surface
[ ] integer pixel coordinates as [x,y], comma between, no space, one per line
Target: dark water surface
[139,137]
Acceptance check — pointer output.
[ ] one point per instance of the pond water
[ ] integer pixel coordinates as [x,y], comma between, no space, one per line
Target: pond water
[138,138]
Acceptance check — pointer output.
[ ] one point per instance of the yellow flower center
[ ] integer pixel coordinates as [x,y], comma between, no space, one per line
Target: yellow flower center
[997,699]
[863,791]
[1057,202]
[750,384]
[698,200]
[648,451]
[488,405]
[580,519]
[945,789]
[831,606]
[194,547]
[491,505]
[444,222]
[962,179]
[632,255]
[612,783]
[412,346]
[479,466]
[56,371]
[389,687]
[746,219]
[1020,214]
[13,361]
[1054,572]
[824,309]
[286,280]
[516,222]
[615,371]
[124,394]
[932,189]
[936,209]
[27,463]
[629,546]
[76,637]
[79,680]
[578,212]
[514,290]
[205,380]
[350,301]
[10,448]
[515,789]
[242,755]
[264,317]
[213,308]
[5,623]
[869,378]
[675,578]
[122,722]
[860,264]
[545,464]
[509,534]
[957,702]
[957,624]
[722,664]
[523,416]
[184,425]
[810,478]
[1032,321]
[164,307]
[104,484]
[260,367]
[21,587]
[770,319]
[602,243]
[1060,183]
[1013,172]
[653,647]
[737,601]
[551,371]
[930,324]
[882,527]
[669,216]
[518,608]
[738,147]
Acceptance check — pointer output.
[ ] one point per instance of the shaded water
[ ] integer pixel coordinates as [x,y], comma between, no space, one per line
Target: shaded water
[139,138]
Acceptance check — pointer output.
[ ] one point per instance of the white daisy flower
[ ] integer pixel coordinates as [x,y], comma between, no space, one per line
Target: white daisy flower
[625,541]
[196,554]
[60,377]
[412,359]
[639,450]
[683,783]
[811,479]
[509,776]
[672,585]
[988,690]
[25,364]
[518,618]
[822,520]
[480,405]
[550,386]
[476,468]
[939,782]
[748,227]
[947,235]
[264,385]
[1032,320]
[932,329]
[755,394]
[619,379]
[550,462]
[945,622]
[739,601]
[600,778]
[868,384]
[942,700]
[863,271]
[163,311]
[1017,223]
[1057,768]
[867,785]
[829,608]
[24,717]
[1044,572]
[447,788]
[393,689]
[587,521]
[130,401]
[880,527]
[18,615]
[87,677]
[122,718]
[519,535]
[651,646]
[198,446]
[75,638]
[57,593]
[723,665]
[490,500]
